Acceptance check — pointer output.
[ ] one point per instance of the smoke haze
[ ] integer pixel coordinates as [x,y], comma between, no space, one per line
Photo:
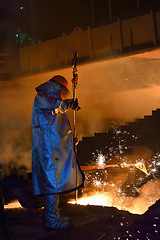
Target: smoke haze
[109,92]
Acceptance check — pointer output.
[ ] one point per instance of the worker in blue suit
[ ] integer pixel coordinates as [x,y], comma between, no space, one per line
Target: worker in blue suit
[54,163]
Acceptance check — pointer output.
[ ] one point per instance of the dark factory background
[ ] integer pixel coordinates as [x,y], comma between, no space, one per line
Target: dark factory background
[24,22]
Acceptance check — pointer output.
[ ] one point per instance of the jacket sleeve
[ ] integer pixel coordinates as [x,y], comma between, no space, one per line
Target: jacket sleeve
[51,104]
[62,106]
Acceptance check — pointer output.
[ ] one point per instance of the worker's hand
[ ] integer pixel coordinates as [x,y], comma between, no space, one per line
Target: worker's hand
[75,105]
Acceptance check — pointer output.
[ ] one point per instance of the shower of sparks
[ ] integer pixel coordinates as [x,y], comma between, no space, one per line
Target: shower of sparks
[140,233]
[154,165]
[122,190]
[117,148]
[100,159]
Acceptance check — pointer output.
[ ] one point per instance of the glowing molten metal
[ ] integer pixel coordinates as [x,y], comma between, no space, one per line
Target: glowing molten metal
[107,188]
[135,205]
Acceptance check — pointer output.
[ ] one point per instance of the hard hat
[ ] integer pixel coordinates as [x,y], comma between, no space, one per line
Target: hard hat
[61,80]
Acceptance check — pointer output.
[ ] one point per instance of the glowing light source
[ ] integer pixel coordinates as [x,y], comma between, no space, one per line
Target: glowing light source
[14,204]
[98,199]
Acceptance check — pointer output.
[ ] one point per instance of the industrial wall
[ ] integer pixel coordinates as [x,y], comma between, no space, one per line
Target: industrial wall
[123,36]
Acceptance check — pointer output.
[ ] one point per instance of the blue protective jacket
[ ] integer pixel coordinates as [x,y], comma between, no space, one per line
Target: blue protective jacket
[54,162]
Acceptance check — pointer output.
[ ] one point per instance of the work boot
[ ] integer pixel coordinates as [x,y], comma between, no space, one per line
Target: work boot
[52,219]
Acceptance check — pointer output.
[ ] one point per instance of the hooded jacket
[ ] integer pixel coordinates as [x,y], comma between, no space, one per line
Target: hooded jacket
[54,162]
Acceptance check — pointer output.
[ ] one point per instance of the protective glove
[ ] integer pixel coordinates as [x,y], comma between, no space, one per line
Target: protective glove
[73,104]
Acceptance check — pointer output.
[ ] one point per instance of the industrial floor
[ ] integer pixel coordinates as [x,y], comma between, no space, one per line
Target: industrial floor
[89,223]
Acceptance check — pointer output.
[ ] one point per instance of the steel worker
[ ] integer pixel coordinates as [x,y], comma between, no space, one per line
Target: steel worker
[54,161]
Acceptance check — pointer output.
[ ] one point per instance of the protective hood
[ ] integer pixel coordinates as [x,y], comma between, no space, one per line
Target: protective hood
[50,87]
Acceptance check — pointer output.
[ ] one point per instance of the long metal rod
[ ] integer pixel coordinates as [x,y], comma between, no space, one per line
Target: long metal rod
[74,137]
[140,166]
[74,85]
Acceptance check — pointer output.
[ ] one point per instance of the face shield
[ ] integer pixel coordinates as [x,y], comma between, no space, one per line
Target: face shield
[64,93]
